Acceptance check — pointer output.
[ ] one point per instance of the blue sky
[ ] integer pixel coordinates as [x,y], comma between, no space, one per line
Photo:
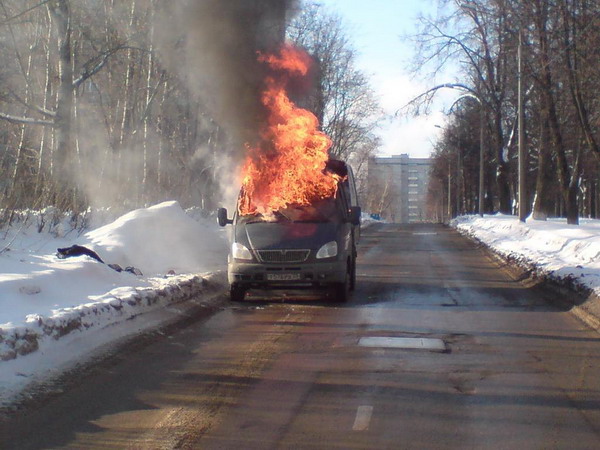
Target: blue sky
[376,28]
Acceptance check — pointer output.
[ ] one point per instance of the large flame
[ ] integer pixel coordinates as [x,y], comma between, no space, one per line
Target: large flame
[287,166]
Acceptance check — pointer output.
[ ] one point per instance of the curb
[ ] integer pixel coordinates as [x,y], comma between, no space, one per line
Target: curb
[113,309]
[582,301]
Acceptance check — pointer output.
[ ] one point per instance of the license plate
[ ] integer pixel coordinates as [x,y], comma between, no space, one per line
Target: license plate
[283,276]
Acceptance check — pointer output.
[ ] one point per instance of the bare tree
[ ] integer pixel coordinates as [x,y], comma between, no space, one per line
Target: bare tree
[342,100]
[477,35]
[99,107]
[561,73]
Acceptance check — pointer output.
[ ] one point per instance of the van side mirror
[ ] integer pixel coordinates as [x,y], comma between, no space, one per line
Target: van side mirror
[222,219]
[355,213]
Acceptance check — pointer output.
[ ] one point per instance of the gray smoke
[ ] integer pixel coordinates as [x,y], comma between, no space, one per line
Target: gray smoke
[222,38]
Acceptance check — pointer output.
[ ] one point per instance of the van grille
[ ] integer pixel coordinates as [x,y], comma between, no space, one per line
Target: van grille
[283,256]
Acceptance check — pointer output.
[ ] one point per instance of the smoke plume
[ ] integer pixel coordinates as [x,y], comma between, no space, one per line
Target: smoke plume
[222,40]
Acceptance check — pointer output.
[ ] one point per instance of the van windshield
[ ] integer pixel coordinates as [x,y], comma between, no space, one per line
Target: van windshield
[326,210]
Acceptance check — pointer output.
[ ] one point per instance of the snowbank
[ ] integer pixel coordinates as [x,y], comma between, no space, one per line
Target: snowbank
[159,239]
[366,220]
[566,254]
[44,298]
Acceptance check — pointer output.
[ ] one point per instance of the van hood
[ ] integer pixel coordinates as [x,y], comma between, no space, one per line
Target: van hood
[287,235]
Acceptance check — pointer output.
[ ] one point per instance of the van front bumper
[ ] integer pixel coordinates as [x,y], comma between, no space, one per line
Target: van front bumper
[274,276]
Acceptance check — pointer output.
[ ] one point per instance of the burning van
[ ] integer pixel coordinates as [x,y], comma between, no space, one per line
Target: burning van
[296,223]
[298,246]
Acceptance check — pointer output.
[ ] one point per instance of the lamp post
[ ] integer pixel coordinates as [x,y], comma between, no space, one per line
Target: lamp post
[449,192]
[481,141]
[481,156]
[521,125]
[468,92]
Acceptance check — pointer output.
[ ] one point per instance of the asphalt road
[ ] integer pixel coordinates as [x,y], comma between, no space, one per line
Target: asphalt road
[510,370]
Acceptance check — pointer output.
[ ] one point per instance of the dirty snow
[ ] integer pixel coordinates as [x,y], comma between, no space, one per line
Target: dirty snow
[48,303]
[553,247]
[53,312]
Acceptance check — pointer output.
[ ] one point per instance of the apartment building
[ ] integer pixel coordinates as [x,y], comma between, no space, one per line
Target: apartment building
[397,188]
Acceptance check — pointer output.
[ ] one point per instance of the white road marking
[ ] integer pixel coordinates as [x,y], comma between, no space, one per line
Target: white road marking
[402,342]
[363,418]
[396,274]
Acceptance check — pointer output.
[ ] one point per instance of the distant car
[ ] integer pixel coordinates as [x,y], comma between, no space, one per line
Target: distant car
[310,246]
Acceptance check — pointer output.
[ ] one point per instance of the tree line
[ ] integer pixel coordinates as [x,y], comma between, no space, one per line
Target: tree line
[560,77]
[99,108]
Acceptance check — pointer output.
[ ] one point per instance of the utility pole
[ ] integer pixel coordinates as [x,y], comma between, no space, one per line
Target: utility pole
[481,162]
[474,95]
[458,182]
[522,152]
[449,194]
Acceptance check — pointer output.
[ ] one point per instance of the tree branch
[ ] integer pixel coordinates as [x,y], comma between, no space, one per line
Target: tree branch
[103,59]
[424,96]
[469,53]
[37,108]
[10,19]
[26,120]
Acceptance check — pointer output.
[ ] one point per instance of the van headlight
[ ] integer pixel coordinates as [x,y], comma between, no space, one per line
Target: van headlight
[239,251]
[329,250]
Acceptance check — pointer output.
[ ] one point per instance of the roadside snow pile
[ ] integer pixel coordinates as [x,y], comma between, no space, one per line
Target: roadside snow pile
[158,240]
[43,298]
[367,219]
[566,253]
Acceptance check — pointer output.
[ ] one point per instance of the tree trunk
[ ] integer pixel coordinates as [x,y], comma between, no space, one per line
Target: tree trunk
[572,202]
[570,44]
[594,200]
[17,177]
[127,101]
[18,183]
[39,189]
[60,12]
[160,131]
[565,176]
[542,206]
[503,170]
[489,195]
[149,96]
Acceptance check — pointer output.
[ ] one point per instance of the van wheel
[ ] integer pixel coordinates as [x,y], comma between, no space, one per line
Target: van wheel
[237,294]
[341,291]
[353,275]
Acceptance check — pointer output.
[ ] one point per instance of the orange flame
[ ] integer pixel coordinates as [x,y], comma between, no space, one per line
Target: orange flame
[287,166]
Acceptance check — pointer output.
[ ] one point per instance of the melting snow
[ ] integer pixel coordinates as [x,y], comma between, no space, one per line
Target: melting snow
[43,298]
[556,248]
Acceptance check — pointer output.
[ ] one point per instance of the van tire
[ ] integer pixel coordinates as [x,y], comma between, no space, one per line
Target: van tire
[341,291]
[237,294]
[352,280]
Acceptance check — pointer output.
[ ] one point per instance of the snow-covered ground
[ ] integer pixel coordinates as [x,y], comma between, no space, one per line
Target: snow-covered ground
[54,311]
[556,248]
[567,254]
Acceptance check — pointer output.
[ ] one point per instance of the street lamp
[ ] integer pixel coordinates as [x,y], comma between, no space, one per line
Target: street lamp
[521,125]
[481,139]
[449,205]
[467,92]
